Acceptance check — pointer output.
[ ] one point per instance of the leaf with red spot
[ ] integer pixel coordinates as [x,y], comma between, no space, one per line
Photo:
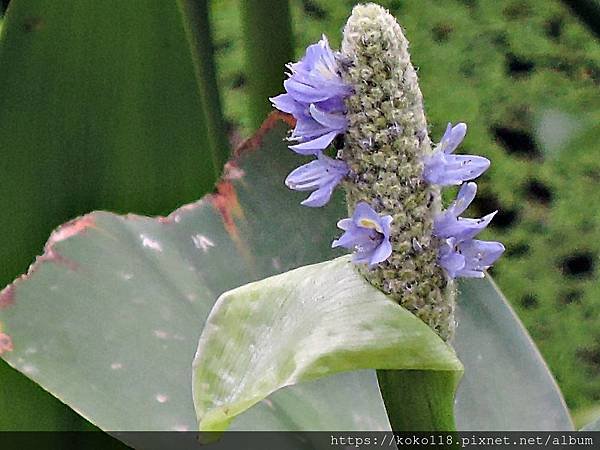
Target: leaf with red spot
[7,296]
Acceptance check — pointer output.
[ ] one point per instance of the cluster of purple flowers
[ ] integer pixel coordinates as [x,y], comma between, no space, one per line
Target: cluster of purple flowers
[460,254]
[315,94]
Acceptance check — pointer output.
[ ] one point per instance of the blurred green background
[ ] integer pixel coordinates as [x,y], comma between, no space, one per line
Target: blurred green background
[523,74]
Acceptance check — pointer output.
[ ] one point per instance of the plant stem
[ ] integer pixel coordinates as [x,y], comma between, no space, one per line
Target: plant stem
[419,400]
[268,41]
[3,6]
[197,28]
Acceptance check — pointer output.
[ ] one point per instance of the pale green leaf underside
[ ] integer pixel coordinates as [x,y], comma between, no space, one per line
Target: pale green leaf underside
[593,426]
[304,324]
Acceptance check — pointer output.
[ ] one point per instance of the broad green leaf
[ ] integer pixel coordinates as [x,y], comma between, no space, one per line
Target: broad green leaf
[99,108]
[507,385]
[318,404]
[305,324]
[108,320]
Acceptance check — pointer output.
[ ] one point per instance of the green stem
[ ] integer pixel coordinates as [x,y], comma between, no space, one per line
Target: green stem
[419,400]
[197,28]
[3,6]
[268,41]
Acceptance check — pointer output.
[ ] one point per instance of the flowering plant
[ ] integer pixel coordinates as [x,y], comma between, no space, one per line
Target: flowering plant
[241,310]
[368,96]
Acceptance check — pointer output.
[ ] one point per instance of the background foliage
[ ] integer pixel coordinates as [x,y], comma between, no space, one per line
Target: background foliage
[524,75]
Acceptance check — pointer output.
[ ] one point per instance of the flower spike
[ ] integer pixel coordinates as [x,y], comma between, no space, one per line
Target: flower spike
[403,243]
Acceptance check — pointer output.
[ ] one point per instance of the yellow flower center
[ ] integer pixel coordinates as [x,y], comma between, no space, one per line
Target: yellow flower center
[368,223]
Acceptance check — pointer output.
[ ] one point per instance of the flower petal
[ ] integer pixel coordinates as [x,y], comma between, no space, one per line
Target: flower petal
[447,223]
[465,197]
[320,176]
[453,136]
[315,94]
[450,259]
[286,103]
[352,237]
[314,146]
[363,212]
[381,253]
[305,93]
[367,233]
[319,198]
[329,120]
[479,255]
[345,224]
[446,170]
[463,229]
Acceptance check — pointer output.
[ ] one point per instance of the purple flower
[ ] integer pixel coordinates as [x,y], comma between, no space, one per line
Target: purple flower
[469,258]
[368,233]
[459,254]
[450,258]
[316,133]
[315,96]
[320,176]
[448,224]
[444,168]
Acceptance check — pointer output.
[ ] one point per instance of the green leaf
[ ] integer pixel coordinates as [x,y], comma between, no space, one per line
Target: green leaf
[104,95]
[100,108]
[593,426]
[304,324]
[114,296]
[268,47]
[109,318]
[507,385]
[586,417]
